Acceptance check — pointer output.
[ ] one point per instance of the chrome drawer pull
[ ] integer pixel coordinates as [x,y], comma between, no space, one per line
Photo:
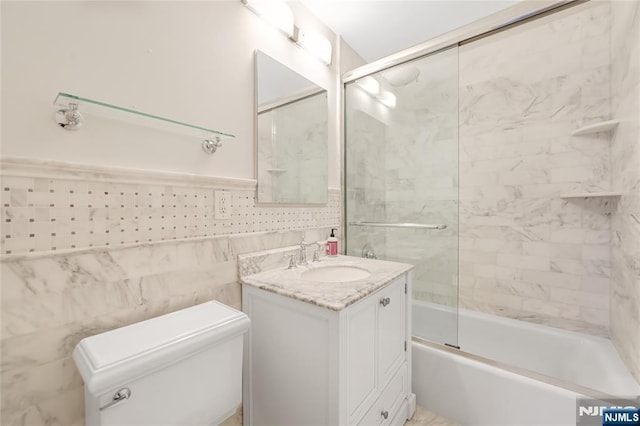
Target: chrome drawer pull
[385,414]
[120,396]
[385,301]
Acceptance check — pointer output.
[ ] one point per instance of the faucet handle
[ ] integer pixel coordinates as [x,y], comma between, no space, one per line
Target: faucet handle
[292,260]
[316,254]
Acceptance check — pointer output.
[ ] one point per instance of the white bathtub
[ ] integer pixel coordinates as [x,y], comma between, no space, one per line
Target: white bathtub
[472,392]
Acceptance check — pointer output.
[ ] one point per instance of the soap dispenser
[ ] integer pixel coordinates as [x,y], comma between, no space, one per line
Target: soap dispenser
[332,244]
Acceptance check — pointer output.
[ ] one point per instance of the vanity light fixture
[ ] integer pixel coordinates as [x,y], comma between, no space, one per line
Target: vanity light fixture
[316,44]
[387,98]
[276,12]
[369,85]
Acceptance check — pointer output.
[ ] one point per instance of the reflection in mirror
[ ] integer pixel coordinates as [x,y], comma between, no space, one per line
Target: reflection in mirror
[292,135]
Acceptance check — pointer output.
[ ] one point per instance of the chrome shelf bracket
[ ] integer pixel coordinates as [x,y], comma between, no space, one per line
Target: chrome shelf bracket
[210,145]
[69,118]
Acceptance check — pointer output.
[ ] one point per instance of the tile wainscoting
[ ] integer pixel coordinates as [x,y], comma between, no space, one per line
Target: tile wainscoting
[52,298]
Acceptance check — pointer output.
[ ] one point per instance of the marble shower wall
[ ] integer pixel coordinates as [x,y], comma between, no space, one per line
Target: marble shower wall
[625,178]
[421,172]
[525,252]
[292,151]
[365,177]
[53,298]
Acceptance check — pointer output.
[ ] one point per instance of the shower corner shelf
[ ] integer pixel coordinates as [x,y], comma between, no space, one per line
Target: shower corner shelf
[69,117]
[602,126]
[591,194]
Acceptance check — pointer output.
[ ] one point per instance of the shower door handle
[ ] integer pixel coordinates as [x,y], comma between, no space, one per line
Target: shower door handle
[400,225]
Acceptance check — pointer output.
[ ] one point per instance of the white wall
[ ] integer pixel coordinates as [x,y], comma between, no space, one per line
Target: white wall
[189,61]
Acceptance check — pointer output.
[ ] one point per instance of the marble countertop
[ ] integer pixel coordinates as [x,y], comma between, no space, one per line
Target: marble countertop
[331,295]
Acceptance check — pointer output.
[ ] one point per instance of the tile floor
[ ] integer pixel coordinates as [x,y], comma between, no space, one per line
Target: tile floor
[424,417]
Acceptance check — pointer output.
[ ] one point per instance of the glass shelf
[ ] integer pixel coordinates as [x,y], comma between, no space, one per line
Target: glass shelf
[90,106]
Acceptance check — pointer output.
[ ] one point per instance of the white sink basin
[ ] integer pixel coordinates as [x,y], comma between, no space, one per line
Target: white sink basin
[335,273]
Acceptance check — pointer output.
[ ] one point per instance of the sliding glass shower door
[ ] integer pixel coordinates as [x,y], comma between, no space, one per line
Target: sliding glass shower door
[401,180]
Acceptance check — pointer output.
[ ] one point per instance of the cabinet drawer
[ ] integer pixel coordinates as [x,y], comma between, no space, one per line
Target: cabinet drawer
[389,401]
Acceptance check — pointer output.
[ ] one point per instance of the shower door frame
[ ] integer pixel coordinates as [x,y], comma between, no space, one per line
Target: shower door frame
[520,13]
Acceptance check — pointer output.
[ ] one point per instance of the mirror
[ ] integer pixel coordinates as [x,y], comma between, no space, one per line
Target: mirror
[292,135]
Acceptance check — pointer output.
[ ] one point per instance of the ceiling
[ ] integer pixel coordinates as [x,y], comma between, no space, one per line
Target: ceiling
[378,28]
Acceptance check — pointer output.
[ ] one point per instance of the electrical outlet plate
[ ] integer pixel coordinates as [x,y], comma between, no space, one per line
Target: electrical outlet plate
[222,205]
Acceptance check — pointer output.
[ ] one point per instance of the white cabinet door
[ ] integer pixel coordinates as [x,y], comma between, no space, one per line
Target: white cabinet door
[361,344]
[375,345]
[391,329]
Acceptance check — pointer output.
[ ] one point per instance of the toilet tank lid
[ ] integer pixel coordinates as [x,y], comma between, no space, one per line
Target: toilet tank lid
[109,358]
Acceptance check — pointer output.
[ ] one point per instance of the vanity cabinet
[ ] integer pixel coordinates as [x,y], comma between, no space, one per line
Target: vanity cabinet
[309,365]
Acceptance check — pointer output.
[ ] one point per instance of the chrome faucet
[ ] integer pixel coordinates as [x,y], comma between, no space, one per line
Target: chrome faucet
[303,251]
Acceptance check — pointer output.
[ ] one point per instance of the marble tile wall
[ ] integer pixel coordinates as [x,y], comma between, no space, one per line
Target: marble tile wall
[625,177]
[525,252]
[264,260]
[306,141]
[53,298]
[365,173]
[292,159]
[422,175]
[266,157]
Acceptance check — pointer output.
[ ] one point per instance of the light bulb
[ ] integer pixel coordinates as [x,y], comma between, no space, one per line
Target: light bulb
[316,44]
[388,99]
[276,12]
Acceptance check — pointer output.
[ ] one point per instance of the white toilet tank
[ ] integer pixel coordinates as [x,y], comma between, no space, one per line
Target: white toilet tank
[183,368]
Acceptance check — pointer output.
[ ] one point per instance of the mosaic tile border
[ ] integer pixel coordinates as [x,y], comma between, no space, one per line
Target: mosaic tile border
[58,206]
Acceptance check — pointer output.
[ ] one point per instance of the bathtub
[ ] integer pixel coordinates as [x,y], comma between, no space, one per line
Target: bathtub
[517,370]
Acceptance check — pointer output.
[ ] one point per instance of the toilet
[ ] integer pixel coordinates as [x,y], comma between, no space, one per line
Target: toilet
[183,368]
